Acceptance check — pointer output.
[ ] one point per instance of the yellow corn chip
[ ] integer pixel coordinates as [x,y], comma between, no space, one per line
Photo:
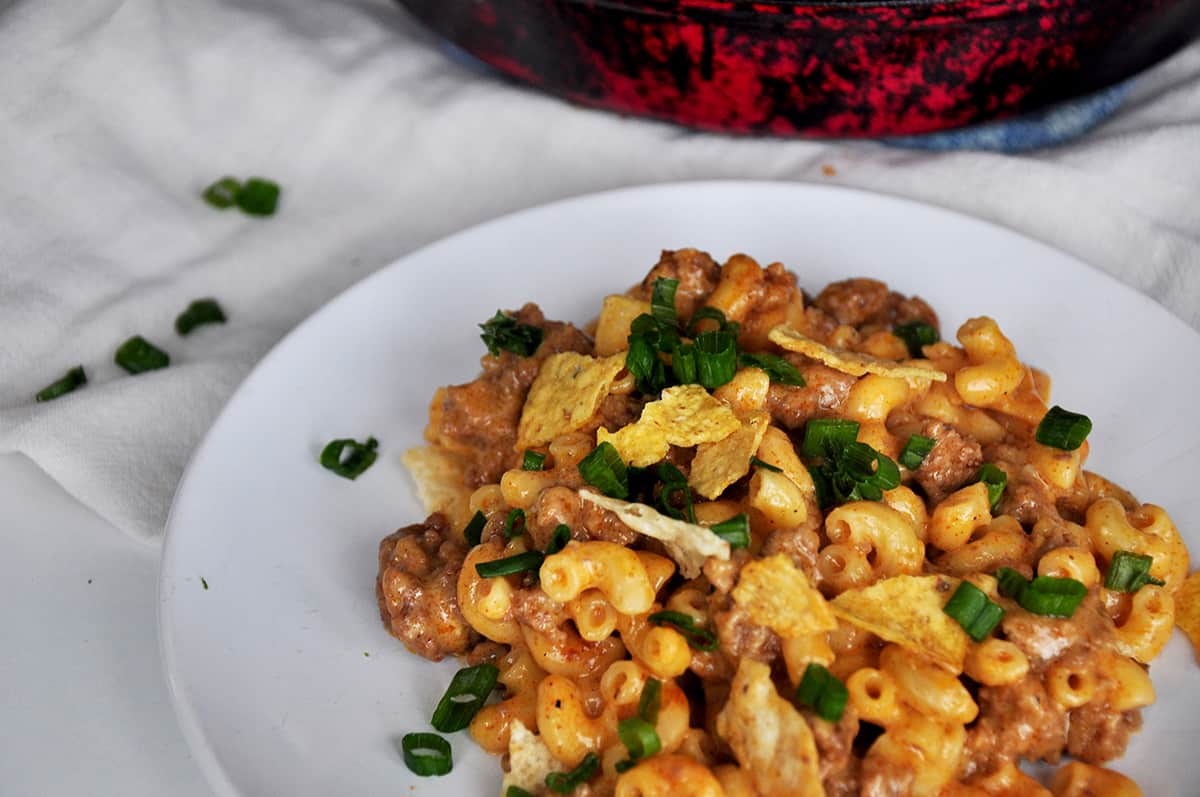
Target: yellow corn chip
[907,610]
[1187,610]
[565,396]
[776,594]
[688,544]
[685,416]
[853,363]
[612,328]
[718,465]
[769,737]
[439,478]
[529,760]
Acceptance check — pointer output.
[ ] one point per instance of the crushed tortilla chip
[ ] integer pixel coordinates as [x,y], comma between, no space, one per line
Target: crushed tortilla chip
[529,760]
[907,610]
[776,594]
[688,544]
[853,363]
[1187,610]
[769,736]
[565,396]
[686,415]
[439,476]
[718,465]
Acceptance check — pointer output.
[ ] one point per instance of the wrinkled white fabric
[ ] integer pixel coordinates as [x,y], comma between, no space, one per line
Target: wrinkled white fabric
[114,115]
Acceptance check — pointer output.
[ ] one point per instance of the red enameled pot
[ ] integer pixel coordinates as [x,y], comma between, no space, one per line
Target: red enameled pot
[845,68]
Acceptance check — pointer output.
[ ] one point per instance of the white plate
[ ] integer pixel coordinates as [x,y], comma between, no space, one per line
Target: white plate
[267,665]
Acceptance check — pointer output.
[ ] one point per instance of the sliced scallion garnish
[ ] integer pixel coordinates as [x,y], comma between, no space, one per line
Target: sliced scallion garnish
[73,380]
[349,458]
[822,692]
[466,694]
[1063,429]
[426,754]
[971,608]
[138,355]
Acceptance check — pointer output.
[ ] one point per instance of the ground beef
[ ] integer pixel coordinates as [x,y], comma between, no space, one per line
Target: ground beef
[598,523]
[1051,533]
[823,394]
[771,308]
[844,782]
[905,309]
[854,301]
[1099,734]
[799,544]
[742,637]
[697,273]
[554,506]
[1015,720]
[1027,497]
[537,610]
[953,462]
[615,412]
[479,419]
[835,740]
[416,589]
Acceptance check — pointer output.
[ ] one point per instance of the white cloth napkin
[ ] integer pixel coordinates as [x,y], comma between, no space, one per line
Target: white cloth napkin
[115,114]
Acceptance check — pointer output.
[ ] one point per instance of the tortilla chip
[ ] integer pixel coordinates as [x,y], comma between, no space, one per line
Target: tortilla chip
[1187,610]
[565,396]
[529,760]
[439,476]
[907,610]
[685,416]
[612,328]
[769,737]
[853,363]
[776,594]
[688,544]
[718,465]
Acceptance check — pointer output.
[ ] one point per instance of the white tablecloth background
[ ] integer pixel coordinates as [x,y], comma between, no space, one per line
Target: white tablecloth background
[115,114]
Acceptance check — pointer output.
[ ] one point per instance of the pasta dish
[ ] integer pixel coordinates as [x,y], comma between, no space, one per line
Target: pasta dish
[736,539]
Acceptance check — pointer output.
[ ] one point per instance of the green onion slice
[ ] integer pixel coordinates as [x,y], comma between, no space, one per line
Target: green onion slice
[223,193]
[258,197]
[466,694]
[822,692]
[974,611]
[1129,572]
[73,380]
[735,531]
[916,335]
[711,314]
[675,483]
[516,791]
[777,368]
[650,701]
[198,313]
[821,486]
[642,360]
[662,301]
[532,460]
[683,365]
[1063,429]
[697,637]
[474,530]
[510,565]
[349,458]
[137,355]
[604,469]
[514,524]
[426,754]
[823,436]
[996,480]
[559,539]
[716,358]
[503,332]
[1011,583]
[639,738]
[758,463]
[567,782]
[1045,595]
[915,451]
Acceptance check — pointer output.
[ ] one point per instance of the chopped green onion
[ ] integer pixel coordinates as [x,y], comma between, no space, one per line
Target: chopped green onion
[349,458]
[675,483]
[716,358]
[915,451]
[996,480]
[532,460]
[821,486]
[822,436]
[426,754]
[758,463]
[1129,572]
[198,313]
[604,470]
[650,701]
[696,637]
[642,360]
[639,738]
[510,565]
[567,782]
[516,791]
[867,472]
[821,691]
[662,301]
[683,364]
[504,332]
[514,524]
[735,531]
[711,314]
[1063,429]
[223,193]
[1011,583]
[74,379]
[778,369]
[466,694]
[1045,595]
[660,336]
[474,530]
[559,539]
[258,197]
[916,335]
[138,354]
[974,611]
